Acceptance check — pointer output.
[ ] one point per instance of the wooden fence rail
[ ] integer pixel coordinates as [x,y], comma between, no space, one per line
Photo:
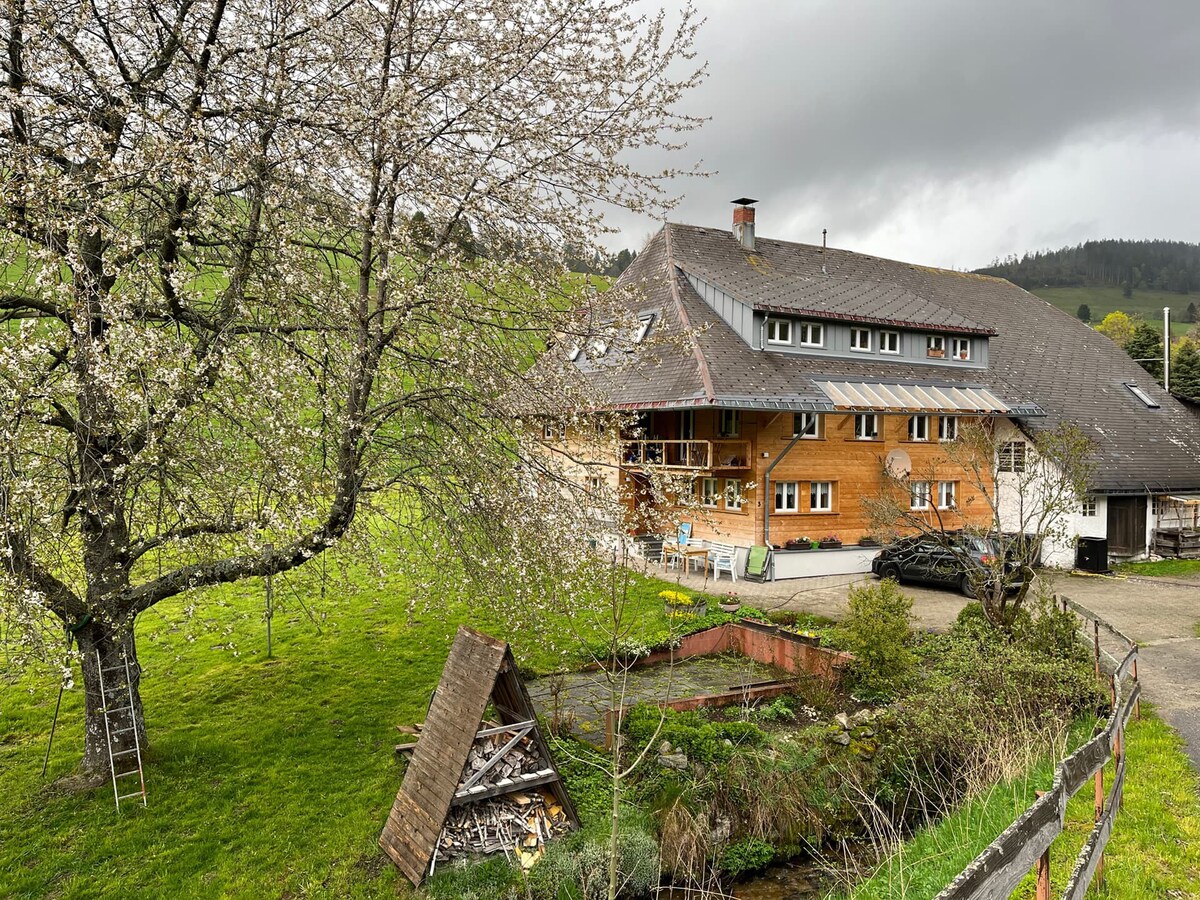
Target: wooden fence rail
[1025,844]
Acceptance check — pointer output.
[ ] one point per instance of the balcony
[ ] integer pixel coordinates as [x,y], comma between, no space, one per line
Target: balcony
[694,455]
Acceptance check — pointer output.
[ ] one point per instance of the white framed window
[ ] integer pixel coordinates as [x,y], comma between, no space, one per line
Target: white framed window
[947,491]
[812,334]
[552,431]
[866,427]
[820,496]
[1012,456]
[733,494]
[786,494]
[730,424]
[889,342]
[595,485]
[806,425]
[918,495]
[918,428]
[947,428]
[960,348]
[709,495]
[860,339]
[1087,507]
[935,345]
[779,331]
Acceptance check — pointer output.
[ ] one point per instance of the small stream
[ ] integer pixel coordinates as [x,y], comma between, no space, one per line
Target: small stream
[801,878]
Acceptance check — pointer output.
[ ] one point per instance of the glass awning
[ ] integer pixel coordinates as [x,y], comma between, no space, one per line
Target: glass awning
[880,397]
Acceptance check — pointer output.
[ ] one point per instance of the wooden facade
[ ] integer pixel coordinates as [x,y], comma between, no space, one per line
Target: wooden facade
[851,467]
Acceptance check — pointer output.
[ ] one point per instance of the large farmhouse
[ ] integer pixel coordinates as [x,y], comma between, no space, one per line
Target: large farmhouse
[807,366]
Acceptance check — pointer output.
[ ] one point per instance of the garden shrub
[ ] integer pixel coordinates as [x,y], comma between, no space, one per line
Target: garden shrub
[989,699]
[576,867]
[701,740]
[878,631]
[748,855]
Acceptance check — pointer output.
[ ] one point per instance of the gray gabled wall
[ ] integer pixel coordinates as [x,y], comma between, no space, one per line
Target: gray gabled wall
[736,314]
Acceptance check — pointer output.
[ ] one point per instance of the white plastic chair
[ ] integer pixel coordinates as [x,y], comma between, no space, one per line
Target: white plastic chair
[722,558]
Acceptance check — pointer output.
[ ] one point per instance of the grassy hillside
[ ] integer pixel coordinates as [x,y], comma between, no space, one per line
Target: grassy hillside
[1103,300]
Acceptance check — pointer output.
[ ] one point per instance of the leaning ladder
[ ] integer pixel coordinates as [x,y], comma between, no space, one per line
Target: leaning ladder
[109,733]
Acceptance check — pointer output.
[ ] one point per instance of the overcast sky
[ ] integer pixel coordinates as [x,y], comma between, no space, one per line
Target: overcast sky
[948,132]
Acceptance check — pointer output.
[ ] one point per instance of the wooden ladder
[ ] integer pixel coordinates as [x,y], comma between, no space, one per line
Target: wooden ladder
[109,710]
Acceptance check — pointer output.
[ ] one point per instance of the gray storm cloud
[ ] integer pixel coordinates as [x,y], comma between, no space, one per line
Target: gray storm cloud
[949,132]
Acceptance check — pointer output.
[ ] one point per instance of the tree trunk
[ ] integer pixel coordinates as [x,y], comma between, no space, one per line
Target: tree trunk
[125,720]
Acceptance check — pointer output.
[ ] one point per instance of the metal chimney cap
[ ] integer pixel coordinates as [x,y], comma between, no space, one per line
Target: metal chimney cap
[744,201]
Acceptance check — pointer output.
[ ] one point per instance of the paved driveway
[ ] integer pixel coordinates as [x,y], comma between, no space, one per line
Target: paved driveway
[1160,615]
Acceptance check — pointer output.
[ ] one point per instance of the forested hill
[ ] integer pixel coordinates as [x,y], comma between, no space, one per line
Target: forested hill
[1172,266]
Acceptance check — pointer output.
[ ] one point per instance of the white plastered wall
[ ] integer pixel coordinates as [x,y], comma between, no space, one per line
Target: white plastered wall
[1017,499]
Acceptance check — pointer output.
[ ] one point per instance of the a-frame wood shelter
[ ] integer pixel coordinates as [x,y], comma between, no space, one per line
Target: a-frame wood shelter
[480,670]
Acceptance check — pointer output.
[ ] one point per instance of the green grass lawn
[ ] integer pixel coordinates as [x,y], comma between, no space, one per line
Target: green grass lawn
[1103,300]
[266,777]
[1163,568]
[1154,850]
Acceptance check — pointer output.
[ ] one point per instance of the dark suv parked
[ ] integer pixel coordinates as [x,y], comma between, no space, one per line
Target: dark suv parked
[954,559]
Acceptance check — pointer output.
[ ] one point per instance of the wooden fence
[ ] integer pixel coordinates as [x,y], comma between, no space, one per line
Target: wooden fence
[1025,844]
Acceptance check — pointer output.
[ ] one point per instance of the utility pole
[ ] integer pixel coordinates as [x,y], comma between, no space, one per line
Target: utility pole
[1166,348]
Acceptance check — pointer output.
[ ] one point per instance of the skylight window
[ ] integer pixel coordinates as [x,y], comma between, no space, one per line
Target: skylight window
[643,328]
[1141,395]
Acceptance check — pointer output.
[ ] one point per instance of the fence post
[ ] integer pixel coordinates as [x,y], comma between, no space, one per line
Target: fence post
[1043,869]
[1137,704]
[1096,643]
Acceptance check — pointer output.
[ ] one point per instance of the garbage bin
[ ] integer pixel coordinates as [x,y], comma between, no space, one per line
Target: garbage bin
[1091,555]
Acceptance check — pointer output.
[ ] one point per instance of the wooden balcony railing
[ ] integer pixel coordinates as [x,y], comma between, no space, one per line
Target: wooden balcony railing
[679,454]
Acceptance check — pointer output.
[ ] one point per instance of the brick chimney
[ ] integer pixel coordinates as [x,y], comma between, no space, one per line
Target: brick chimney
[743,221]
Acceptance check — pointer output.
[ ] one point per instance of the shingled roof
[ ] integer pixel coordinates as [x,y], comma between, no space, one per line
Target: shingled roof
[1038,355]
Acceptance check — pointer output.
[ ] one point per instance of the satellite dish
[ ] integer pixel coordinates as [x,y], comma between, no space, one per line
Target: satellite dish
[898,464]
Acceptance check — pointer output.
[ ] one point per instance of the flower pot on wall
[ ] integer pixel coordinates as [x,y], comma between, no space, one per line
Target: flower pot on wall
[699,609]
[830,545]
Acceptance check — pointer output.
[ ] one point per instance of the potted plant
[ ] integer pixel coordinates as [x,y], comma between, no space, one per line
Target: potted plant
[868,540]
[677,604]
[808,637]
[830,542]
[730,602]
[801,543]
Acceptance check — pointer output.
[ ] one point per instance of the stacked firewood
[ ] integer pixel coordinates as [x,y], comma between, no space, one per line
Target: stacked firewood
[517,825]
[521,759]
